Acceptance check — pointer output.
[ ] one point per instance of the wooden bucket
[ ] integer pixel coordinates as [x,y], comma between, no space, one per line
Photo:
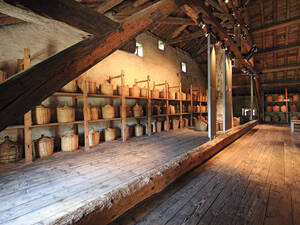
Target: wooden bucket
[276,108]
[94,138]
[109,134]
[126,90]
[268,119]
[296,98]
[293,108]
[91,86]
[134,91]
[107,88]
[108,112]
[42,115]
[154,93]
[183,96]
[158,126]
[138,110]
[93,113]
[70,87]
[65,114]
[144,92]
[10,151]
[175,124]
[139,130]
[69,142]
[283,108]
[44,146]
[269,108]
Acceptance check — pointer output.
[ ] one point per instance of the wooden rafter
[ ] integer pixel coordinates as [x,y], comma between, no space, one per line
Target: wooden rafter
[177,31]
[188,37]
[279,49]
[177,20]
[30,87]
[107,5]
[280,68]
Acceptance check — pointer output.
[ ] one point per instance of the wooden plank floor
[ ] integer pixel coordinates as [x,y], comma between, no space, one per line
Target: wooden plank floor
[48,188]
[255,180]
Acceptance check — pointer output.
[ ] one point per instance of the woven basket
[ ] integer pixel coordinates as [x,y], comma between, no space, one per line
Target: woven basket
[134,91]
[91,86]
[109,134]
[294,117]
[138,110]
[166,127]
[276,108]
[42,115]
[280,98]
[108,112]
[296,98]
[144,92]
[94,138]
[10,151]
[158,126]
[154,93]
[269,108]
[93,113]
[65,114]
[267,118]
[139,130]
[107,88]
[70,87]
[293,108]
[69,142]
[283,108]
[44,146]
[175,124]
[200,125]
[269,98]
[126,90]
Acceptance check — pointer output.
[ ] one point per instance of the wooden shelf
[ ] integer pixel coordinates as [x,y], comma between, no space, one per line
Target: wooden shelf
[104,96]
[176,114]
[137,117]
[104,120]
[56,124]
[160,99]
[160,115]
[130,97]
[68,94]
[15,127]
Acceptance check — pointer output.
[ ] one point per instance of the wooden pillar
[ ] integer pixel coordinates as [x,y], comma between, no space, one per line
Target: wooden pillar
[180,104]
[75,104]
[85,114]
[149,106]
[227,93]
[287,106]
[211,61]
[20,131]
[123,107]
[191,93]
[167,105]
[27,117]
[251,97]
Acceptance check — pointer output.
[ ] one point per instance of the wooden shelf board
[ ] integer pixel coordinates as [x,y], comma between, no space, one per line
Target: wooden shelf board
[138,117]
[104,96]
[56,124]
[14,127]
[160,99]
[160,115]
[104,120]
[68,94]
[130,97]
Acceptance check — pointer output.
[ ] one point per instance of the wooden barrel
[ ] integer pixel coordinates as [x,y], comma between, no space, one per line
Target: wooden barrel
[70,87]
[42,114]
[138,110]
[144,92]
[65,114]
[280,98]
[268,118]
[108,112]
[10,151]
[276,108]
[134,91]
[91,86]
[296,98]
[126,90]
[293,108]
[139,130]
[175,124]
[109,134]
[107,88]
[269,108]
[276,119]
[93,112]
[69,142]
[94,138]
[154,93]
[44,146]
[158,126]
[283,108]
[269,98]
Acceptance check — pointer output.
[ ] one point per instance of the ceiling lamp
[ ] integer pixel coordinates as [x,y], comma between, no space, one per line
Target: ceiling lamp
[200,21]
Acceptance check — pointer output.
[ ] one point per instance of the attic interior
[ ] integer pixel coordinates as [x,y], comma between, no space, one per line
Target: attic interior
[150,112]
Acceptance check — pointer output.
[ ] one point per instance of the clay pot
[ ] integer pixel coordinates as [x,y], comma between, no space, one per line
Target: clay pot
[188,97]
[10,151]
[69,142]
[42,115]
[108,112]
[45,146]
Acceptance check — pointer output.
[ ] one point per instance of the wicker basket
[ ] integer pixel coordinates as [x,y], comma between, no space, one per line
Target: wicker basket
[65,114]
[268,119]
[172,109]
[126,90]
[283,108]
[296,98]
[107,88]
[108,112]
[42,115]
[93,113]
[94,138]
[10,151]
[276,108]
[166,125]
[294,117]
[293,108]
[158,126]
[200,125]
[69,142]
[138,110]
[144,92]
[269,98]
[70,87]
[109,134]
[134,91]
[175,124]
[172,95]
[269,108]
[91,86]
[280,98]
[44,146]
[276,119]
[162,94]
[154,93]
[139,130]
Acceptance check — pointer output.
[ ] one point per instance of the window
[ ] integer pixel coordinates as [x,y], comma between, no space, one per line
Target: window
[183,67]
[139,49]
[161,45]
[247,112]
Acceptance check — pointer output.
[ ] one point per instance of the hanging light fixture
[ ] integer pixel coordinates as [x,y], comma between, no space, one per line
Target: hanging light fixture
[209,30]
[200,21]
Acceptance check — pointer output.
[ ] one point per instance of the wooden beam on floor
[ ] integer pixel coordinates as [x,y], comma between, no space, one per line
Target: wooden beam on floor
[178,21]
[188,37]
[30,87]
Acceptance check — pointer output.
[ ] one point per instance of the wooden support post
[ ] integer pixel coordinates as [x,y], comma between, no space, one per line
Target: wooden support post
[27,117]
[191,93]
[123,111]
[227,93]
[211,62]
[149,106]
[287,106]
[167,106]
[180,105]
[251,100]
[75,104]
[20,131]
[85,114]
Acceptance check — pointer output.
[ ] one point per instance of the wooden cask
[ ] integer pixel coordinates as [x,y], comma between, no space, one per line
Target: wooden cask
[44,146]
[65,114]
[69,142]
[108,112]
[126,90]
[94,138]
[10,151]
[42,114]
[144,92]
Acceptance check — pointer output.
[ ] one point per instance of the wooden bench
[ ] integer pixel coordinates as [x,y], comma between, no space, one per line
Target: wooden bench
[293,122]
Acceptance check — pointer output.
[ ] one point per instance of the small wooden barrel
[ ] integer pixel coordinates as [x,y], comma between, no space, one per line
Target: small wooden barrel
[91,86]
[134,91]
[269,108]
[94,138]
[269,98]
[109,134]
[280,98]
[294,117]
[162,94]
[268,119]
[276,119]
[144,92]
[126,90]
[138,110]
[139,130]
[283,108]
[293,108]
[70,87]
[158,126]
[93,113]
[276,108]
[296,98]
[108,112]
[65,114]
[154,93]
[107,88]
[69,142]
[45,146]
[10,151]
[42,115]
[175,124]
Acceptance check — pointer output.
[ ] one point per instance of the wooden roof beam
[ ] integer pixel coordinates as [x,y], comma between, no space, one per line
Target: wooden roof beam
[278,49]
[188,37]
[107,5]
[178,21]
[30,87]
[281,68]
